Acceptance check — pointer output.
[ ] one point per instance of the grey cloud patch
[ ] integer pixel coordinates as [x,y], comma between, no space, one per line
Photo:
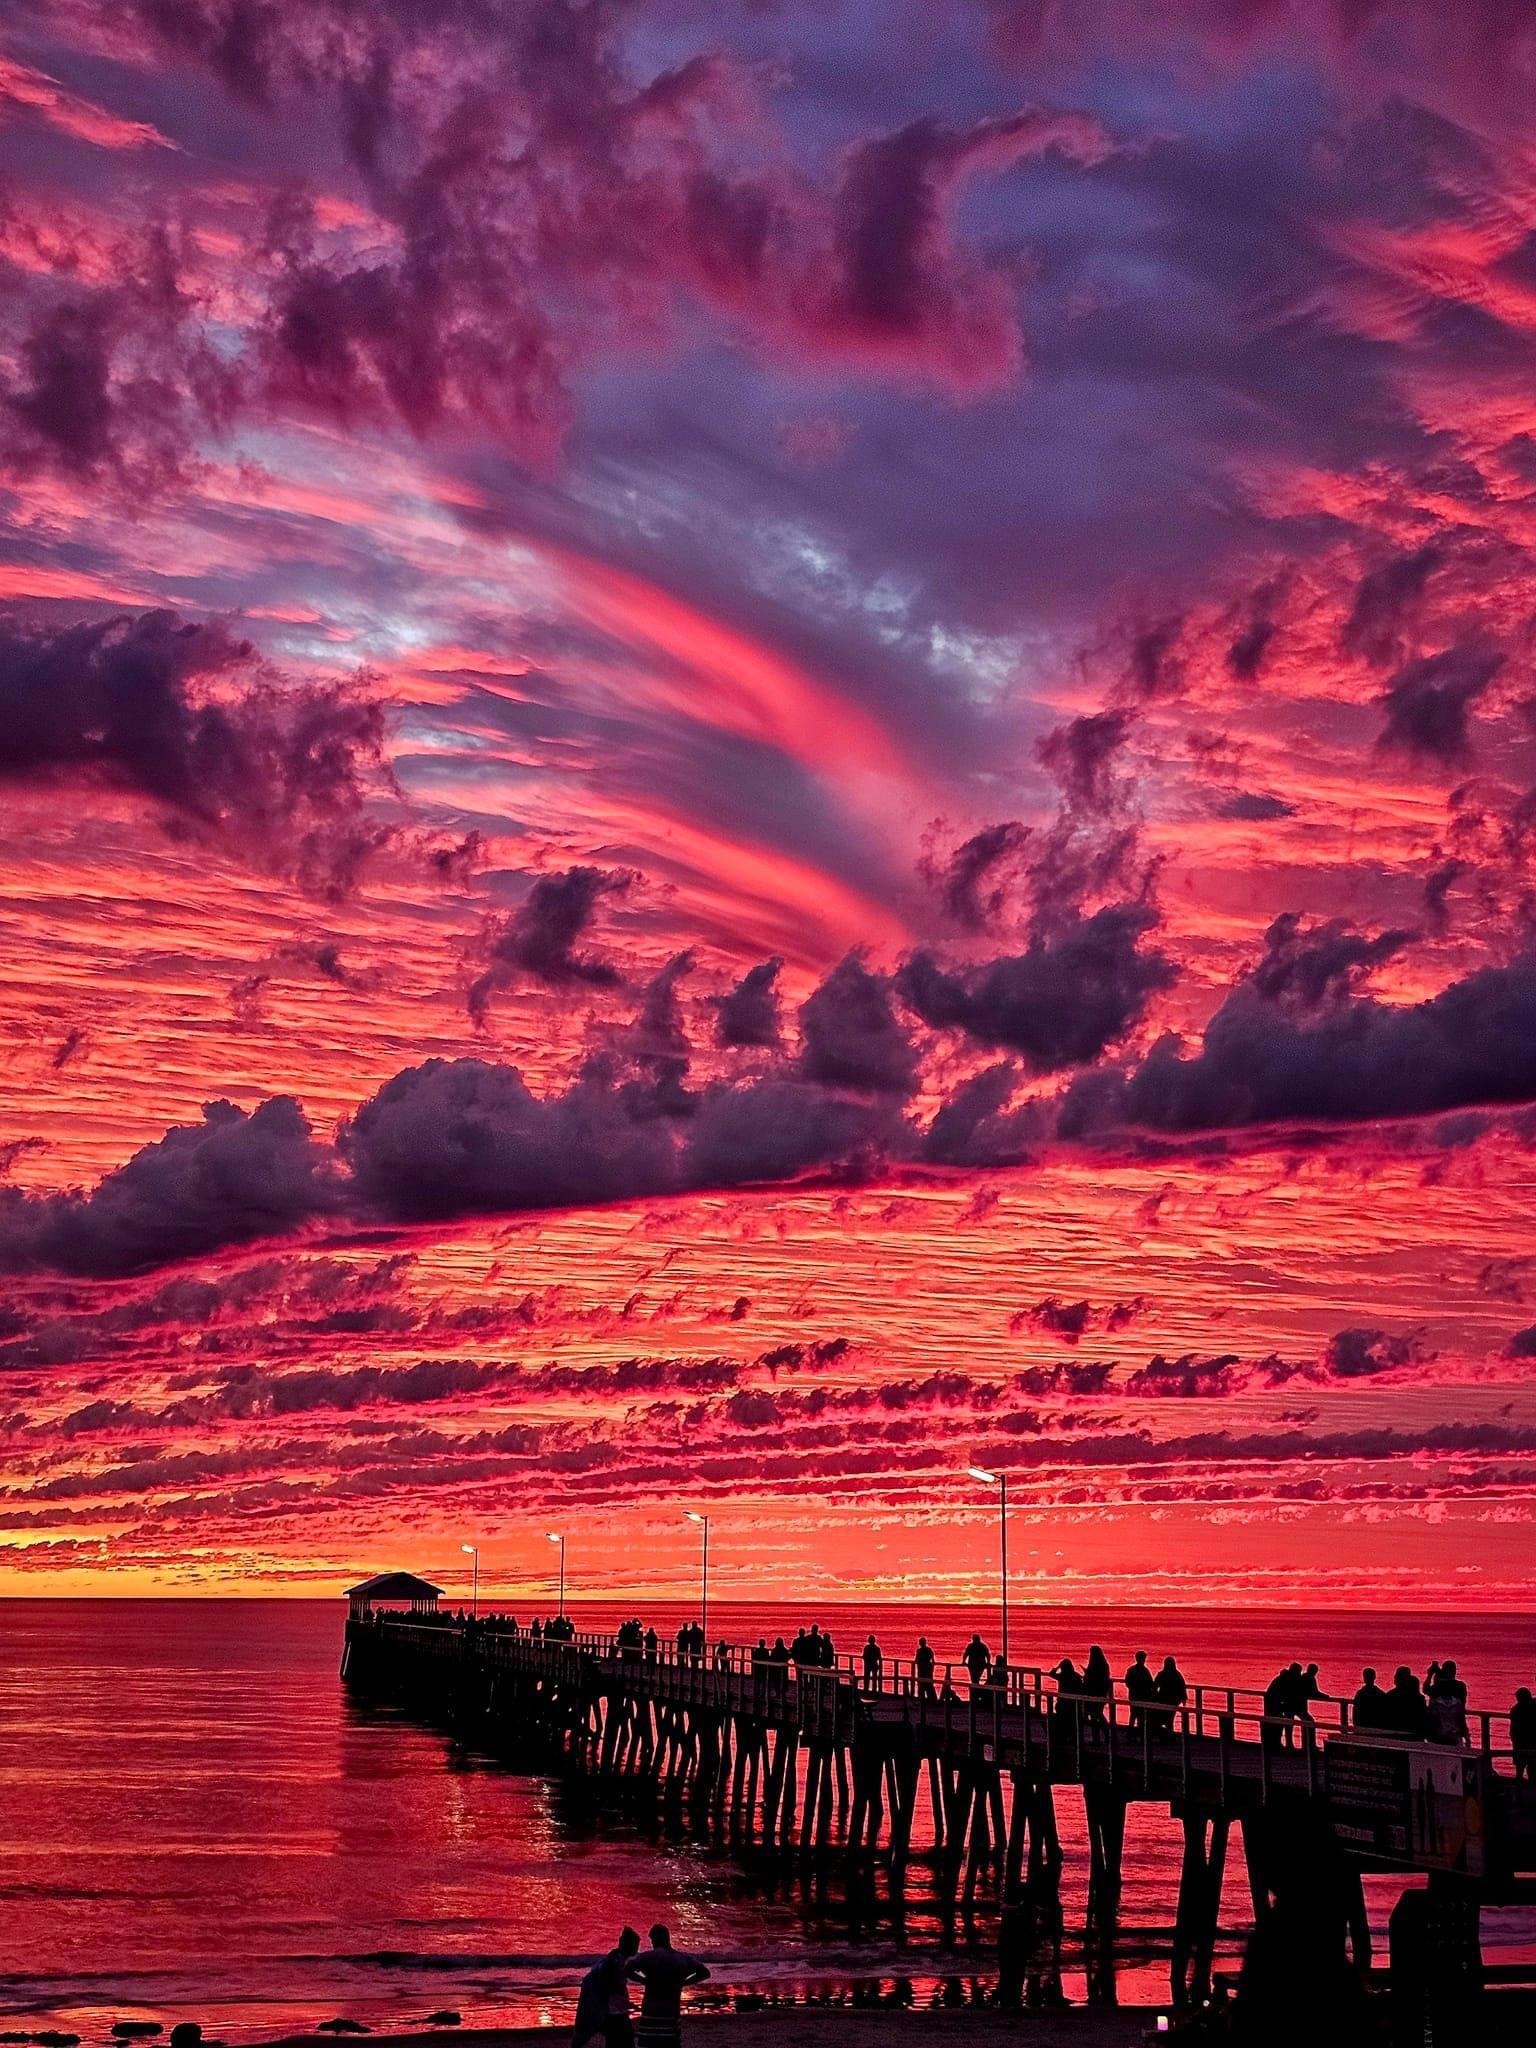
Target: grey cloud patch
[538,940]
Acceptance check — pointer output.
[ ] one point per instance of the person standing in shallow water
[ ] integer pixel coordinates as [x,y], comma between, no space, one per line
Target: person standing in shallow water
[666,1973]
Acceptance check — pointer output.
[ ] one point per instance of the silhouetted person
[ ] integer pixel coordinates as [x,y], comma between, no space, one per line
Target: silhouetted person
[1098,1684]
[537,1631]
[922,1665]
[652,1644]
[1171,1692]
[874,1662]
[977,1659]
[1409,1715]
[1522,1735]
[1445,1704]
[1069,1698]
[828,1651]
[602,2005]
[1307,1690]
[722,1655]
[1279,1706]
[1372,1710]
[666,1974]
[1140,1687]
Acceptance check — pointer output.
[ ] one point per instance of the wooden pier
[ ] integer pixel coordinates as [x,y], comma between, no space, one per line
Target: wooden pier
[809,1765]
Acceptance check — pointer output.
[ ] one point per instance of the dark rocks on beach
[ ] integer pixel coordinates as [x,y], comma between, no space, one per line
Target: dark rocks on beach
[49,2038]
[135,2030]
[343,2027]
[444,2019]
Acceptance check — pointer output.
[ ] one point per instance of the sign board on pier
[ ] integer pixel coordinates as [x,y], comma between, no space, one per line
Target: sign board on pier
[1417,1804]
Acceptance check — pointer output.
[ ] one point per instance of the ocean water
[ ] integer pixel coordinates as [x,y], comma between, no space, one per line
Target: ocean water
[198,1821]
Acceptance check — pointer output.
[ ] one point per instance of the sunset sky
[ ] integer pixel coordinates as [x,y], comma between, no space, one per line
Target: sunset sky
[750,749]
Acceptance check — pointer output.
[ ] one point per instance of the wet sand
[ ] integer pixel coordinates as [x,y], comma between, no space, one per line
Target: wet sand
[821,2027]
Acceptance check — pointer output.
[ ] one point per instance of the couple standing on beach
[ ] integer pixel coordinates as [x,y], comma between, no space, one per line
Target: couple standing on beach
[602,2007]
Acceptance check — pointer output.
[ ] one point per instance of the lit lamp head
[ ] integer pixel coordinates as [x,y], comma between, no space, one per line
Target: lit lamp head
[693,1515]
[981,1472]
[468,1549]
[554,1537]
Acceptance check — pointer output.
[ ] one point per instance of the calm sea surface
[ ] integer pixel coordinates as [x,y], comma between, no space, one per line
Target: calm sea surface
[196,1821]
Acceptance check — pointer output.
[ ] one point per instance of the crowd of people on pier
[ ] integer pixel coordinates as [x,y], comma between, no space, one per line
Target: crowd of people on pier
[1433,1709]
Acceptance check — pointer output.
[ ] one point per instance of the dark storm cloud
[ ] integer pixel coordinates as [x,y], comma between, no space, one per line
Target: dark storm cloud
[451,1137]
[1428,701]
[1252,807]
[538,940]
[229,1179]
[1347,1059]
[748,1015]
[1387,601]
[978,881]
[851,1036]
[1080,756]
[544,198]
[1075,991]
[281,774]
[1360,1354]
[1071,1321]
[1305,966]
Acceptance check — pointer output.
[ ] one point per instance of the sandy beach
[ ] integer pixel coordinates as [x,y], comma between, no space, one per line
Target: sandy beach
[824,2027]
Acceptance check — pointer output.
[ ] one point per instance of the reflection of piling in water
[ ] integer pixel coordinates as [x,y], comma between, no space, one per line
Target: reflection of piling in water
[816,1766]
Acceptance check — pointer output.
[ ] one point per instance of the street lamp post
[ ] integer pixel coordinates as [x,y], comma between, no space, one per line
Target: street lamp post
[1000,1481]
[703,1522]
[554,1538]
[473,1550]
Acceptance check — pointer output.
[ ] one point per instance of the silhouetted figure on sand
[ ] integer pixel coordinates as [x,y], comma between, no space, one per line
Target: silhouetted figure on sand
[1522,1735]
[666,1973]
[602,2004]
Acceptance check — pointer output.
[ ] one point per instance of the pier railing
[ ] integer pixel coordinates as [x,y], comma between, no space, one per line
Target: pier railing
[1218,1728]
